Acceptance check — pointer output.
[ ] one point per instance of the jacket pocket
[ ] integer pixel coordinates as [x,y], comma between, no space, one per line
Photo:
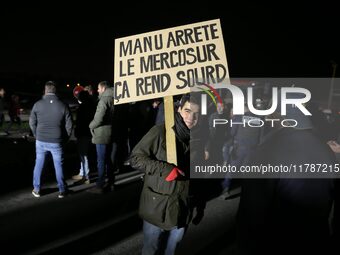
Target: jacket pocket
[153,205]
[158,184]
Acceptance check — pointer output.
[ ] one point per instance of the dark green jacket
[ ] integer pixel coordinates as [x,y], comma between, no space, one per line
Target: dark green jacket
[162,203]
[100,126]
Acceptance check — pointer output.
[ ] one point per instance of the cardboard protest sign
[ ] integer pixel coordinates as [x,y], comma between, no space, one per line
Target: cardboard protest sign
[168,62]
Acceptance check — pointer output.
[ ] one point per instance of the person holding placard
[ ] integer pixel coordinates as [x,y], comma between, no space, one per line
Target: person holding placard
[165,200]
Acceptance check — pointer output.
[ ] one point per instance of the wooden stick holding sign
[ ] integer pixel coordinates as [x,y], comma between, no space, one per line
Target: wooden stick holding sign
[171,153]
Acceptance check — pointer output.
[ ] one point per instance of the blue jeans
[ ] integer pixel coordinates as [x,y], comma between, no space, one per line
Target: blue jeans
[104,164]
[226,182]
[42,149]
[160,241]
[226,152]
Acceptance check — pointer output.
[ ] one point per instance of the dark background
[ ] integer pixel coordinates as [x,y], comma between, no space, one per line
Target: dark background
[75,43]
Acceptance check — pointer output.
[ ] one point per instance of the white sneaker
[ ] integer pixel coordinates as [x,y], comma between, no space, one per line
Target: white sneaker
[35,193]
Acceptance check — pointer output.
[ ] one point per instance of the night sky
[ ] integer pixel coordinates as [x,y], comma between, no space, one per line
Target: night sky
[77,43]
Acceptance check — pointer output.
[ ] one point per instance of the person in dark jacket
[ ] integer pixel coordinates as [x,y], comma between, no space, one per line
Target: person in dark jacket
[158,106]
[51,125]
[143,111]
[2,106]
[164,203]
[241,143]
[245,137]
[288,214]
[101,129]
[335,222]
[120,137]
[14,112]
[82,132]
[217,135]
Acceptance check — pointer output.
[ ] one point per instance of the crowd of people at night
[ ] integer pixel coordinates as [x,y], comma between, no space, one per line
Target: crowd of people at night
[280,216]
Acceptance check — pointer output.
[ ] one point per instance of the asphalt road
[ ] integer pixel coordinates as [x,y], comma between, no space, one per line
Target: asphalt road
[216,234]
[84,223]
